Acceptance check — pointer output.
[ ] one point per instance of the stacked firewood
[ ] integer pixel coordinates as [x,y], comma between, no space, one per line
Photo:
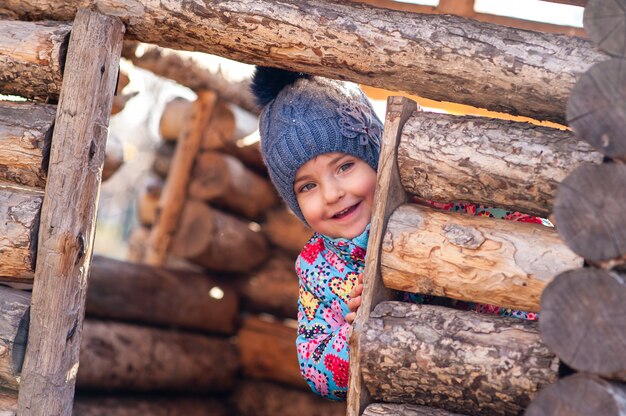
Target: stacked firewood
[583,310]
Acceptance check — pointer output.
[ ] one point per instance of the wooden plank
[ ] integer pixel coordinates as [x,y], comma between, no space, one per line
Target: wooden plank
[68,216]
[440,57]
[175,190]
[389,195]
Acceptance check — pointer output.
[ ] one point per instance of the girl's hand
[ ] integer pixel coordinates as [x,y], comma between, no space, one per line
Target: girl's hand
[354,300]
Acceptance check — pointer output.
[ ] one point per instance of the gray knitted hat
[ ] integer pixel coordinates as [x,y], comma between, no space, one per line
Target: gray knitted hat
[306,116]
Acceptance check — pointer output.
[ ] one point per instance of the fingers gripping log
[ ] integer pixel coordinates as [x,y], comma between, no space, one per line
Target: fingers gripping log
[459,361]
[470,258]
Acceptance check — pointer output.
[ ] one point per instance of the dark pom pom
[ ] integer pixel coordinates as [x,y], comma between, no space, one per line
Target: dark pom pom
[268,82]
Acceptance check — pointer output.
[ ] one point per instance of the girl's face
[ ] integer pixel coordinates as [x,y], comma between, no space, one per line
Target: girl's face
[335,192]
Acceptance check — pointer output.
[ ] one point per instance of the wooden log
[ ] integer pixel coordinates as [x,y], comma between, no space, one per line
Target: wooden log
[589,211]
[441,57]
[225,182]
[582,321]
[113,158]
[14,318]
[194,74]
[272,289]
[218,241]
[8,403]
[580,395]
[163,158]
[117,356]
[165,297]
[149,406]
[173,195]
[19,226]
[25,134]
[175,116]
[476,259]
[389,409]
[68,215]
[592,111]
[148,201]
[267,352]
[486,161]
[388,184]
[286,231]
[255,398]
[455,360]
[32,56]
[604,24]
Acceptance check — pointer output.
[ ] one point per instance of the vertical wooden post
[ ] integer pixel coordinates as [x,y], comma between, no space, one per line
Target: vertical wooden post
[389,195]
[68,216]
[173,195]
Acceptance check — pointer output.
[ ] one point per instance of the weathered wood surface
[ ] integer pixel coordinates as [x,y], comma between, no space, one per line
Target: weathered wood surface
[582,321]
[272,289]
[8,403]
[267,351]
[472,258]
[218,241]
[390,195]
[68,215]
[596,110]
[14,305]
[175,190]
[149,406]
[500,163]
[257,398]
[19,221]
[389,409]
[580,395]
[32,56]
[286,231]
[455,360]
[223,181]
[604,22]
[165,297]
[117,356]
[440,57]
[25,135]
[192,73]
[589,211]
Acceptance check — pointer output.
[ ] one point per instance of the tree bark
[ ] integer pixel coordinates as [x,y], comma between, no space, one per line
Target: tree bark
[149,406]
[487,161]
[8,403]
[68,215]
[589,211]
[440,57]
[217,241]
[25,134]
[272,289]
[582,321]
[225,182]
[458,361]
[32,56]
[580,395]
[268,352]
[116,356]
[165,297]
[388,409]
[470,258]
[14,305]
[19,222]
[255,398]
[285,230]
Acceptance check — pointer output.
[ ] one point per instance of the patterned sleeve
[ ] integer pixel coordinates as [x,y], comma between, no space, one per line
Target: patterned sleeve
[323,344]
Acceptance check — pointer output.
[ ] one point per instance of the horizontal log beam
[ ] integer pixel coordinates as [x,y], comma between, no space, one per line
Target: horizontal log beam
[148,406]
[440,57]
[14,318]
[19,221]
[389,409]
[455,360]
[487,161]
[471,258]
[32,56]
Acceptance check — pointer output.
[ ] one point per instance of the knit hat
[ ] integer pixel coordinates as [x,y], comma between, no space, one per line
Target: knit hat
[306,116]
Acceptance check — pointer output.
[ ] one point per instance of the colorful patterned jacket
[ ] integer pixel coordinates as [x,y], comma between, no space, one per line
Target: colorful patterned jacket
[327,270]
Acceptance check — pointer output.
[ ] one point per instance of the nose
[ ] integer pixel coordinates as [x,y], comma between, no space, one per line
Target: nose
[332,192]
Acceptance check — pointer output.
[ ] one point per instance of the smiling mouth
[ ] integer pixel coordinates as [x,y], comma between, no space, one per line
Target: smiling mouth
[345,212]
